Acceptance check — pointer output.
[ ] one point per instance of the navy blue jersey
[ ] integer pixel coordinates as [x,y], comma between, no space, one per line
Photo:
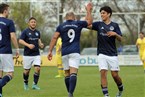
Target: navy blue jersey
[70,32]
[106,45]
[6,27]
[31,37]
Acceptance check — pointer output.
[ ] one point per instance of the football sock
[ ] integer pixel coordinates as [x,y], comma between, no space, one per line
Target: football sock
[105,91]
[120,87]
[67,78]
[36,78]
[5,80]
[72,82]
[25,77]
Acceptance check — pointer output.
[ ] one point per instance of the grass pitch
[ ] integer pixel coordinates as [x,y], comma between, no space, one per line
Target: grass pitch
[88,84]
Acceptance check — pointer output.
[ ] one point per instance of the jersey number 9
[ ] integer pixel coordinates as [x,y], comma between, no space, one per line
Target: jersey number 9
[71,35]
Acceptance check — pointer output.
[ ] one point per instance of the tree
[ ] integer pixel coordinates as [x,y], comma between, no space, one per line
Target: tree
[20,13]
[51,13]
[129,20]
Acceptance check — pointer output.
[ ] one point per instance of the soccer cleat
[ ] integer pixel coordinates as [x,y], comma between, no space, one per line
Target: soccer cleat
[70,95]
[26,87]
[1,95]
[106,96]
[119,94]
[35,87]
[58,76]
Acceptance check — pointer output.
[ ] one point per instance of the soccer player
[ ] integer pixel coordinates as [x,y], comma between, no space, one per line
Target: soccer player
[107,32]
[140,43]
[70,32]
[58,58]
[7,34]
[30,38]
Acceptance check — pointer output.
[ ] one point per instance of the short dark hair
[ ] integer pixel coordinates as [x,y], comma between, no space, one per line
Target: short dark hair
[141,33]
[107,9]
[3,7]
[32,18]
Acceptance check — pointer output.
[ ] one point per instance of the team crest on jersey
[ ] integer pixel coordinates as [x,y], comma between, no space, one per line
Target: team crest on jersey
[30,34]
[111,28]
[36,33]
[102,27]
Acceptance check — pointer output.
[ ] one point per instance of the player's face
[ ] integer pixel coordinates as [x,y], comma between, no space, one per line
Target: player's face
[141,35]
[6,13]
[104,15]
[32,24]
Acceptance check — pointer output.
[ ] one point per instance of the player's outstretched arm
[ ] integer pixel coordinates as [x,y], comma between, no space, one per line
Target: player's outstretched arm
[52,44]
[14,41]
[89,17]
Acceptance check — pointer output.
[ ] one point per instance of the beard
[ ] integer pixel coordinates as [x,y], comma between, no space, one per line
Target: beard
[33,28]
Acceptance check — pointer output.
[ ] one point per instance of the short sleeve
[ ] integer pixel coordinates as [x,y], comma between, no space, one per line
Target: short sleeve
[23,35]
[95,26]
[11,26]
[118,31]
[58,29]
[84,24]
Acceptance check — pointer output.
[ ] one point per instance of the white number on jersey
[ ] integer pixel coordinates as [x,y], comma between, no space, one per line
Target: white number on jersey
[0,35]
[71,35]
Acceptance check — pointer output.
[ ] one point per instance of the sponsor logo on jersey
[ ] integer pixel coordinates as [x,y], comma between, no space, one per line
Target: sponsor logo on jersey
[111,28]
[36,33]
[102,27]
[30,33]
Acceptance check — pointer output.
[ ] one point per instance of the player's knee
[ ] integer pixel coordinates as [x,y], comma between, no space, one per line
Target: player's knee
[115,75]
[37,68]
[26,71]
[10,74]
[67,73]
[103,73]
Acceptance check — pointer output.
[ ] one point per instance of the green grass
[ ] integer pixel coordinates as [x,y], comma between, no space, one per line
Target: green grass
[88,84]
